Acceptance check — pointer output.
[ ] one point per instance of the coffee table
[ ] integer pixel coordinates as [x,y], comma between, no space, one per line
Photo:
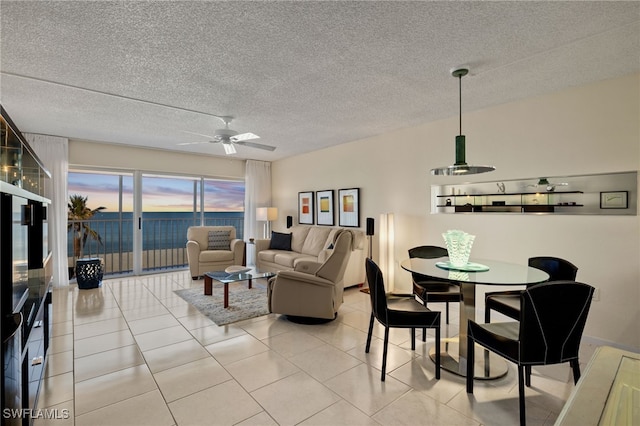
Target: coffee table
[227,278]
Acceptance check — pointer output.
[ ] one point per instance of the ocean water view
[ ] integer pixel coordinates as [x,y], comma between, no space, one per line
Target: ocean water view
[160,230]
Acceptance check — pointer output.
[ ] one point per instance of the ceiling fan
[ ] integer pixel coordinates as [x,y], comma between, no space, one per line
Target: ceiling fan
[228,138]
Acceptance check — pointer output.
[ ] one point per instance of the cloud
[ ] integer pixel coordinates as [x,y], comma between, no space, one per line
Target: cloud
[159,193]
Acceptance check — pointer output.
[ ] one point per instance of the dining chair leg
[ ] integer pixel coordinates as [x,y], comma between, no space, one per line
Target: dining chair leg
[575,366]
[523,416]
[384,353]
[413,339]
[487,315]
[438,352]
[470,361]
[527,377]
[487,363]
[369,335]
[424,329]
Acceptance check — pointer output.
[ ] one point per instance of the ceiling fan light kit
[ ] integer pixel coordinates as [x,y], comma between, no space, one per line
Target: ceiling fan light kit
[229,148]
[460,167]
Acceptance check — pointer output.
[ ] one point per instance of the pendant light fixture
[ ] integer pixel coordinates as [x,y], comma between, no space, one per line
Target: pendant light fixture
[461,167]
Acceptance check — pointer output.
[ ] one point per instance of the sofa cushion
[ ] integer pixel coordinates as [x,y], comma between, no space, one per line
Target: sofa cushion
[267,255]
[219,240]
[288,259]
[280,241]
[298,236]
[315,241]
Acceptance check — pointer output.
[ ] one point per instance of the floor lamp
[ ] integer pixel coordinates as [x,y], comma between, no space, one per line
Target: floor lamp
[267,215]
[387,250]
[370,232]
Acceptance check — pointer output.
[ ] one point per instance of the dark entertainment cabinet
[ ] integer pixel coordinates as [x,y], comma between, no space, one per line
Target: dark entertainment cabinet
[25,275]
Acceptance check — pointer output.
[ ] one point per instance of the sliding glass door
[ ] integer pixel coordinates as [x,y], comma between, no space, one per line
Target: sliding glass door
[105,230]
[169,206]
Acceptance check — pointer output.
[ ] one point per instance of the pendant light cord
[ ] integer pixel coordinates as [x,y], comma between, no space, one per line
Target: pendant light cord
[460,96]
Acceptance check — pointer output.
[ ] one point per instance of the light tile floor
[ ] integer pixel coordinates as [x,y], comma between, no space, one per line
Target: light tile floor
[133,352]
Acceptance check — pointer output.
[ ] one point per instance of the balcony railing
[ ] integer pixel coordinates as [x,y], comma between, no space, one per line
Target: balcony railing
[163,241]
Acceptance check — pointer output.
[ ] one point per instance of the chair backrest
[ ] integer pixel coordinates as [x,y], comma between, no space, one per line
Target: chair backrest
[333,268]
[201,234]
[376,290]
[426,252]
[557,268]
[552,319]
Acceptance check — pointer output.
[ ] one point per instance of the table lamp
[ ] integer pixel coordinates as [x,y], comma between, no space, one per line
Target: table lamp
[267,215]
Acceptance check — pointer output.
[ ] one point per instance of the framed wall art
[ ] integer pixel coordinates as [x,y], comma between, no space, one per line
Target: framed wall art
[614,200]
[305,208]
[349,207]
[324,207]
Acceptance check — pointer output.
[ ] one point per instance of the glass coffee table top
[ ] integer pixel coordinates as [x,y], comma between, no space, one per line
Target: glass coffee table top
[226,278]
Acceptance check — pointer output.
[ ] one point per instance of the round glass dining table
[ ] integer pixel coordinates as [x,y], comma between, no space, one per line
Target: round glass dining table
[479,271]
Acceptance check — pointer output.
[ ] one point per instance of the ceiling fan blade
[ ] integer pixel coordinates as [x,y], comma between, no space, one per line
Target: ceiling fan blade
[197,143]
[244,137]
[191,143]
[257,145]
[199,134]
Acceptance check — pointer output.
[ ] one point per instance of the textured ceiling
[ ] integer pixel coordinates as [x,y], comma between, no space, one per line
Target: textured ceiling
[302,75]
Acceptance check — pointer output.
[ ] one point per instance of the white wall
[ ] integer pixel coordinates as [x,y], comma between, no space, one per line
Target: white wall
[583,130]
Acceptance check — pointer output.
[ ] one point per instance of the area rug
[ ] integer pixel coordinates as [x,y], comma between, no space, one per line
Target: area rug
[244,303]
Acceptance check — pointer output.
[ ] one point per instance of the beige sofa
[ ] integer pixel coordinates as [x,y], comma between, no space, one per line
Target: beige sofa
[213,248]
[312,243]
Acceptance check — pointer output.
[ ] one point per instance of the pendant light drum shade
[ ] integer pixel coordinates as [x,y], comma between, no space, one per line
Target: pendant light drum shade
[461,167]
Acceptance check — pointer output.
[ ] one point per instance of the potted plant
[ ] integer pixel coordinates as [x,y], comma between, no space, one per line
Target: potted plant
[78,216]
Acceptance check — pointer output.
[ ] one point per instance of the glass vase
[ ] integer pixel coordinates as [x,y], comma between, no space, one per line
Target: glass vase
[459,245]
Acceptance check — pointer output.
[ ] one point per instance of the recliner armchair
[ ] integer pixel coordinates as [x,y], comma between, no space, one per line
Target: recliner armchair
[312,290]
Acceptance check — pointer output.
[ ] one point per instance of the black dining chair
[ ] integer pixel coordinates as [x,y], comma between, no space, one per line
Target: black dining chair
[430,289]
[397,312]
[552,318]
[508,302]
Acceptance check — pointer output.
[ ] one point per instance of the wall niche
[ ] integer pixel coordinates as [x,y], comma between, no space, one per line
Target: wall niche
[596,194]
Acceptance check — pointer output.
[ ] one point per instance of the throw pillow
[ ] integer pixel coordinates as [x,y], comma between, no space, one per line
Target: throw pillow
[219,240]
[280,241]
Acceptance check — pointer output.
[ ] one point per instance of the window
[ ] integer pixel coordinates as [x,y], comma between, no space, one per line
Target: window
[170,204]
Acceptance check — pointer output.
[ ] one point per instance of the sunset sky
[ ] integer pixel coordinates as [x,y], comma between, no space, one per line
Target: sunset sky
[159,194]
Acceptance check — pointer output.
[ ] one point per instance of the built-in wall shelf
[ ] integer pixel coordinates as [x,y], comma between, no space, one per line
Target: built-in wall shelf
[527,202]
[602,194]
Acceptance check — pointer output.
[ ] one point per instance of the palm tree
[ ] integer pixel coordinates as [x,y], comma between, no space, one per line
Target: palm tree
[77,214]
